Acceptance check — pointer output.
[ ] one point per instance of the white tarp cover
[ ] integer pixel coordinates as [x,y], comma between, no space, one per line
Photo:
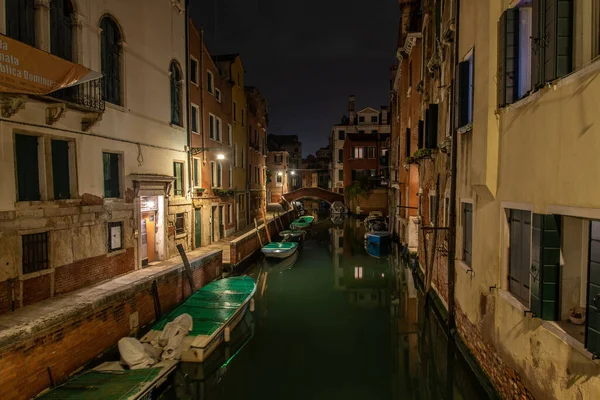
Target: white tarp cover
[171,338]
[135,355]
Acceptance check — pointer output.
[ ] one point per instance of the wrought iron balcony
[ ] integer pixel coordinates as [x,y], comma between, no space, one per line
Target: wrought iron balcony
[86,96]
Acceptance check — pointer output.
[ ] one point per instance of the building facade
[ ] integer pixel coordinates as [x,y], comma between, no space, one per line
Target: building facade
[293,146]
[94,177]
[278,175]
[258,120]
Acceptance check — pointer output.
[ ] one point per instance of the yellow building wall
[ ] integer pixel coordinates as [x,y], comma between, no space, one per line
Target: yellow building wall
[240,129]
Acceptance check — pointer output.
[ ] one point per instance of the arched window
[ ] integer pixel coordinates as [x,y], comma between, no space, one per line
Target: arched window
[110,45]
[61,29]
[20,20]
[176,85]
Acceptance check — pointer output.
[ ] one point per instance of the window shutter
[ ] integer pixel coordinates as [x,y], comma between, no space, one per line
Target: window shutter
[421,133]
[558,23]
[462,111]
[432,125]
[60,169]
[407,138]
[545,266]
[537,50]
[28,184]
[508,57]
[592,332]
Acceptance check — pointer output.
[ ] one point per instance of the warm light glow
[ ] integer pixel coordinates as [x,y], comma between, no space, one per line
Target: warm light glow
[280,173]
[220,157]
[293,172]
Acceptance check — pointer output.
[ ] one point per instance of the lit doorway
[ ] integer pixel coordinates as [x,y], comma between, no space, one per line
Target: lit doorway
[151,229]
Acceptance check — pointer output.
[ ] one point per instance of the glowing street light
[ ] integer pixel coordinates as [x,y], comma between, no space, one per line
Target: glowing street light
[280,173]
[220,157]
[293,172]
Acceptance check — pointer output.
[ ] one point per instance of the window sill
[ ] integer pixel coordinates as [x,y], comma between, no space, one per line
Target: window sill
[36,274]
[180,235]
[465,129]
[196,133]
[560,333]
[512,300]
[115,106]
[468,269]
[114,253]
[178,127]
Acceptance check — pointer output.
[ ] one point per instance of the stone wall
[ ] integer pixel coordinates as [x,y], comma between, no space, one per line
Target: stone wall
[71,338]
[377,201]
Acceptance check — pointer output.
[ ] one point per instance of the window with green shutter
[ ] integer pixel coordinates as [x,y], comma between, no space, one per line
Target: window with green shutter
[592,332]
[60,169]
[26,153]
[467,242]
[112,175]
[519,255]
[197,172]
[178,173]
[545,266]
[508,61]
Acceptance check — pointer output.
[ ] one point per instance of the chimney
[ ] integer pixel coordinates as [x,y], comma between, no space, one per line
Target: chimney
[351,109]
[384,115]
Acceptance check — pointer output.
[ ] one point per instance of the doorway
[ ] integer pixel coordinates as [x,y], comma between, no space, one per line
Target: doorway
[221,222]
[150,229]
[197,228]
[213,221]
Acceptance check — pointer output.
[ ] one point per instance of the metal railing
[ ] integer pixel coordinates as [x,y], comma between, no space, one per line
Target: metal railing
[87,95]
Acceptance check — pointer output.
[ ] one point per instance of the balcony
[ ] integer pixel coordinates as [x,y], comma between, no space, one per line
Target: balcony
[86,96]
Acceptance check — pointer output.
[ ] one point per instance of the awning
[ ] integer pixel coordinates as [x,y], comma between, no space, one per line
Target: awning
[26,69]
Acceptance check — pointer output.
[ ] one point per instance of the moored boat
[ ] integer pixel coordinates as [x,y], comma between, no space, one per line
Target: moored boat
[338,208]
[280,249]
[378,238]
[302,222]
[292,236]
[215,309]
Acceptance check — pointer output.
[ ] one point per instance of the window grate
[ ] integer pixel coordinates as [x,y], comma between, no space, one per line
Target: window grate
[35,252]
[179,223]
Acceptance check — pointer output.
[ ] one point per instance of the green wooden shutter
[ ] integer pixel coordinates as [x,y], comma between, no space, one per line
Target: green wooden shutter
[432,126]
[196,172]
[28,184]
[508,57]
[592,332]
[462,110]
[197,227]
[421,133]
[537,49]
[545,266]
[558,23]
[60,169]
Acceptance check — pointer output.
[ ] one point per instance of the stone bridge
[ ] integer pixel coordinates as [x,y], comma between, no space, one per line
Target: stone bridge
[314,193]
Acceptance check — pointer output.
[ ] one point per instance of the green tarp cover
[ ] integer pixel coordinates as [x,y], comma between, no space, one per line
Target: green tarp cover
[212,305]
[281,245]
[104,385]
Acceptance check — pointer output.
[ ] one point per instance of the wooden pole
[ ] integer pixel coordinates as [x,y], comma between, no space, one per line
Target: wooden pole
[258,232]
[266,224]
[434,218]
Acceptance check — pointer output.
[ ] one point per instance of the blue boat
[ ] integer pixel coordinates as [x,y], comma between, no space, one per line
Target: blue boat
[378,238]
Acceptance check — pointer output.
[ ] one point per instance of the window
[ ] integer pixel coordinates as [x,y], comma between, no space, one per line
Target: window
[216,174]
[235,158]
[194,70]
[431,119]
[197,182]
[374,131]
[341,135]
[358,152]
[111,49]
[210,83]
[60,169]
[229,135]
[26,153]
[242,203]
[465,91]
[176,98]
[243,157]
[242,117]
[432,209]
[446,211]
[340,155]
[230,213]
[596,29]
[372,152]
[467,227]
[115,236]
[195,119]
[519,254]
[20,20]
[374,118]
[211,126]
[592,338]
[219,130]
[35,252]
[112,175]
[407,138]
[361,119]
[235,111]
[179,223]
[279,177]
[230,176]
[361,132]
[218,95]
[178,174]
[61,29]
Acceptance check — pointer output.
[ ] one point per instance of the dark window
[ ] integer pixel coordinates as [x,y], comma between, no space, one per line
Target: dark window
[179,223]
[592,336]
[341,174]
[195,119]
[196,172]
[211,126]
[467,233]
[35,252]
[421,134]
[361,119]
[279,178]
[545,266]
[213,180]
[341,135]
[431,116]
[361,131]
[340,155]
[61,29]
[60,169]
[218,95]
[111,60]
[519,260]
[111,175]
[464,105]
[374,131]
[20,20]
[26,149]
[210,83]
[115,236]
[175,82]
[407,153]
[371,152]
[234,111]
[178,173]
[219,175]
[194,71]
[374,118]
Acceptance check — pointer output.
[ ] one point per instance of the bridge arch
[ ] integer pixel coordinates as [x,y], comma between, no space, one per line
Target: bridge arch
[314,193]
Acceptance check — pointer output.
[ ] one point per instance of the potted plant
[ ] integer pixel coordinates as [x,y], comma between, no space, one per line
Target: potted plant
[200,192]
[577,315]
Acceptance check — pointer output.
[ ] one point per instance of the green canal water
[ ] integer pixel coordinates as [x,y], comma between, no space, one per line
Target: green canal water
[334,322]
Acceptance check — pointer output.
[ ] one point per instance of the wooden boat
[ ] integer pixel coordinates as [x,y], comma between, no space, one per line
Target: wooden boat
[302,222]
[378,238]
[338,208]
[110,381]
[292,236]
[280,249]
[281,266]
[216,309]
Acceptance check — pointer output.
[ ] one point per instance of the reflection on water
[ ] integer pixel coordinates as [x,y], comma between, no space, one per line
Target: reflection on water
[340,320]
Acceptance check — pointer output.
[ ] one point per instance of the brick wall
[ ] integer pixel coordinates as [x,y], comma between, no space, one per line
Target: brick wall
[76,340]
[92,270]
[5,294]
[37,289]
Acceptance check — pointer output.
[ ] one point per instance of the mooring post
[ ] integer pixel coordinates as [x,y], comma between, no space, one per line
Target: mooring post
[187,266]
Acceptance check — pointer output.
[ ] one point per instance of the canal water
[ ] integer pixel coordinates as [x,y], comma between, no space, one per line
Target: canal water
[337,321]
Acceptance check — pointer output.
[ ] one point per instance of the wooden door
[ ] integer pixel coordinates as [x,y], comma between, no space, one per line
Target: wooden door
[150,235]
[197,228]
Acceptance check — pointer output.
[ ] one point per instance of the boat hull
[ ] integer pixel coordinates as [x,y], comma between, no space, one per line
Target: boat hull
[279,254]
[378,238]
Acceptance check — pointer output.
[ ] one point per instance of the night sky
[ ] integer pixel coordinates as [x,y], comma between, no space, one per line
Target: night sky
[307,56]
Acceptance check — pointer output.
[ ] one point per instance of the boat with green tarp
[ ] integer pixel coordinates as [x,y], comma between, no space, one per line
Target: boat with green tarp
[215,309]
[302,222]
[110,381]
[279,249]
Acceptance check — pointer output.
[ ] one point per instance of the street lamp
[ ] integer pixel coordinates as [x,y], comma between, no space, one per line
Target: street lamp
[220,156]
